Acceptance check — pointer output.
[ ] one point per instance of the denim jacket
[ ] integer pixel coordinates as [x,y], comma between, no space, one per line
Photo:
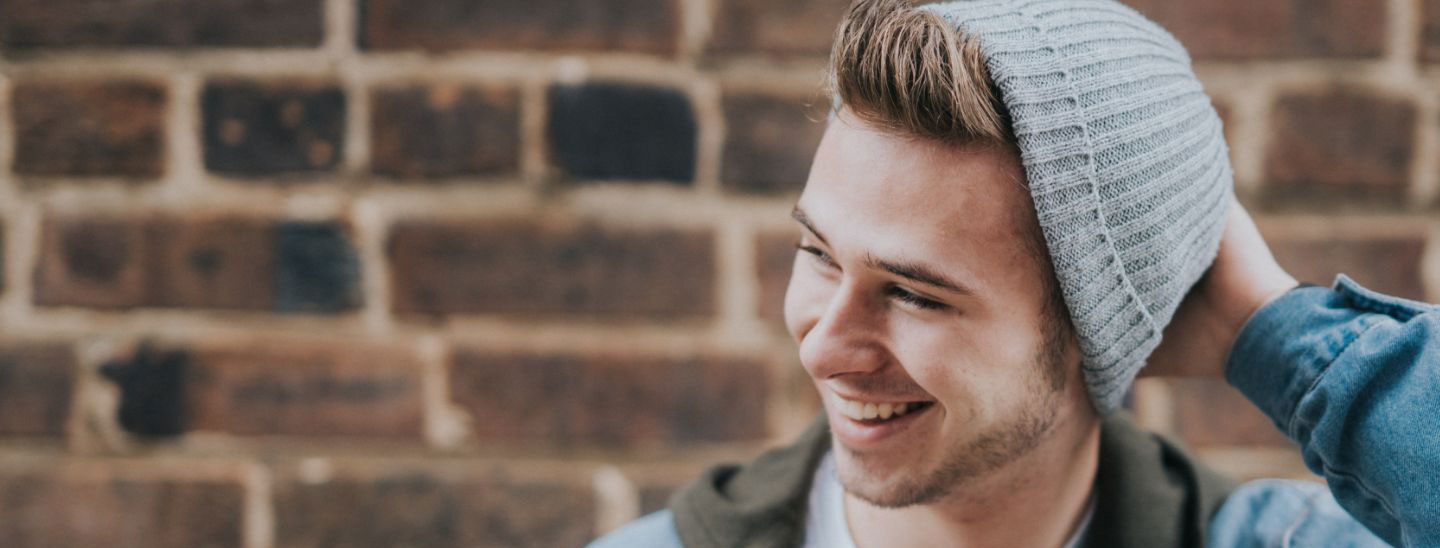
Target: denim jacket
[1354,377]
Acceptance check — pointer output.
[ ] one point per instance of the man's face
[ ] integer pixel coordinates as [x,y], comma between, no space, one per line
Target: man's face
[918,285]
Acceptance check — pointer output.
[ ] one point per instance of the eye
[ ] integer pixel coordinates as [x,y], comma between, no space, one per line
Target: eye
[821,256]
[912,299]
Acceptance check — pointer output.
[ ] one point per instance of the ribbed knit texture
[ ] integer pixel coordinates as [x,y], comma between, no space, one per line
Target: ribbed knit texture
[1126,162]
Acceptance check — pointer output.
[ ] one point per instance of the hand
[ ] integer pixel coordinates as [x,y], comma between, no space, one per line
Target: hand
[1243,278]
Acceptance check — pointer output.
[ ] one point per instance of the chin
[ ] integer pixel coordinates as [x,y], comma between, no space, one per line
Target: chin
[887,482]
[899,479]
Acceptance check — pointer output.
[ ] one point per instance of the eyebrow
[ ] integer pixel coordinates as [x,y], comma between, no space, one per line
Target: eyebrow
[913,271]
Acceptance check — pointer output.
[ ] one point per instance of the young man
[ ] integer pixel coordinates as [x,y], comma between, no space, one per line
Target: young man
[1010,206]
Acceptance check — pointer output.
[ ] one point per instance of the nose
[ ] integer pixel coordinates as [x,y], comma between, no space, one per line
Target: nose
[846,338]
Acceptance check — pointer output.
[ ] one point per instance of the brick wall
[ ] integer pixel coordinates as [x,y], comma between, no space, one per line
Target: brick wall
[284,273]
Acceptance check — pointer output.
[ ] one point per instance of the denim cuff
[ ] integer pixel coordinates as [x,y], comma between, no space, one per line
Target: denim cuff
[1286,346]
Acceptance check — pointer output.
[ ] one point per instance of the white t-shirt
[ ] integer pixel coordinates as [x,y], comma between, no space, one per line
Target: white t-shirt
[825,524]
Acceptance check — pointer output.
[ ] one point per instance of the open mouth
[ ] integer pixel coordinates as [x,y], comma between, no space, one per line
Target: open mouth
[875,413]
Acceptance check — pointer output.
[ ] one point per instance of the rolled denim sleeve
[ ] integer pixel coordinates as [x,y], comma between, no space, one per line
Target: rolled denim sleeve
[1353,376]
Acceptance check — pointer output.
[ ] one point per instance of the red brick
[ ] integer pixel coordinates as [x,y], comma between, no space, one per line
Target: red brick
[60,507]
[221,263]
[1269,29]
[272,128]
[89,128]
[568,400]
[94,262]
[539,268]
[1340,144]
[215,263]
[1210,413]
[1430,30]
[774,258]
[422,508]
[1391,265]
[444,131]
[654,498]
[798,27]
[36,385]
[770,141]
[160,23]
[648,26]
[313,389]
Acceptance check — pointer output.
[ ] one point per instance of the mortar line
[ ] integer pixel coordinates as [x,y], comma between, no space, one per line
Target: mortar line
[706,102]
[1402,38]
[1425,165]
[696,25]
[371,226]
[8,137]
[617,500]
[185,173]
[341,26]
[22,242]
[259,508]
[1430,265]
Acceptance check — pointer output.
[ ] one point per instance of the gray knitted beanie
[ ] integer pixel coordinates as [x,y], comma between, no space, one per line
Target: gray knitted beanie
[1126,164]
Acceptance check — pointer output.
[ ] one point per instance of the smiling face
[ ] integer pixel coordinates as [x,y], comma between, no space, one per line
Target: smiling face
[920,286]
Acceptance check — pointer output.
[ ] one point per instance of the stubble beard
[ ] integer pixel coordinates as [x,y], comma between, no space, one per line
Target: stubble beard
[991,450]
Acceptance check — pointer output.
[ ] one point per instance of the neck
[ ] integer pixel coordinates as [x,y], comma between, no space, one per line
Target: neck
[1037,500]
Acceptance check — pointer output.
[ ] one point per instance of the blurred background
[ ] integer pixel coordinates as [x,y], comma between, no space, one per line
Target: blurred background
[324,273]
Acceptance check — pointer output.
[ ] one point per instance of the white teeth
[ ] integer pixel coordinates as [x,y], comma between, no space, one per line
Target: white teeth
[871,411]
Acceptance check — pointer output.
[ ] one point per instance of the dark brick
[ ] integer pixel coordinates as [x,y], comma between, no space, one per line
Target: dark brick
[1340,144]
[609,400]
[1391,265]
[152,391]
[88,128]
[444,131]
[420,508]
[317,389]
[538,268]
[254,128]
[79,506]
[649,26]
[1267,29]
[1210,413]
[316,269]
[1430,30]
[36,383]
[769,142]
[216,263]
[160,23]
[774,258]
[798,27]
[622,131]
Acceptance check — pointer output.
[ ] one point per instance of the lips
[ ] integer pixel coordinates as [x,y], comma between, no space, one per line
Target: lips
[878,432]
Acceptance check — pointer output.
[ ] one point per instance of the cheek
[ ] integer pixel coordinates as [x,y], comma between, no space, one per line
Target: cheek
[967,365]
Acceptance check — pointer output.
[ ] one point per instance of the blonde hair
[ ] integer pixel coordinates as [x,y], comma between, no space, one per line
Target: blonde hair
[907,70]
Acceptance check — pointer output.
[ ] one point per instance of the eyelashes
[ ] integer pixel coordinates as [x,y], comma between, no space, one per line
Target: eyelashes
[893,291]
